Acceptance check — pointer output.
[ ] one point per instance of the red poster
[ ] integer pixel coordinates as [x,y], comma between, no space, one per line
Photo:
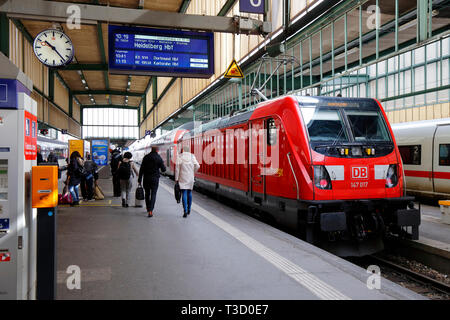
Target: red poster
[5,256]
[30,136]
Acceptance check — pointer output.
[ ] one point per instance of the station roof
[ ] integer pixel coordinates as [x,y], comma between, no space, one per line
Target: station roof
[91,56]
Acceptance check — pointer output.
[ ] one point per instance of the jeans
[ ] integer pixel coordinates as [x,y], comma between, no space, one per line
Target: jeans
[74,192]
[186,195]
[150,187]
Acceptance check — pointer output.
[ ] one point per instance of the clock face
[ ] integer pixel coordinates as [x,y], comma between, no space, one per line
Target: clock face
[53,48]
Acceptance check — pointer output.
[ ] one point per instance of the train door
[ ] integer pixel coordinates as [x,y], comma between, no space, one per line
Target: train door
[441,159]
[257,149]
[168,158]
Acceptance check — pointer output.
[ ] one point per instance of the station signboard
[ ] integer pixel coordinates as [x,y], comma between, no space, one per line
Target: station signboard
[76,145]
[252,6]
[146,51]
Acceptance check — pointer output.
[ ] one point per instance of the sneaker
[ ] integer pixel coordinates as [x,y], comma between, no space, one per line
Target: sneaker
[189,212]
[185,215]
[126,205]
[150,214]
[123,203]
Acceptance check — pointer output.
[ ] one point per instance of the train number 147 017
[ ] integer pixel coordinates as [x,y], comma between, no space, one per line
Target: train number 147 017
[358,184]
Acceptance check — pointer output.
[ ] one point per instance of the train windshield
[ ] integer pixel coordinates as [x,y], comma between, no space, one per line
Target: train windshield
[325,124]
[367,126]
[331,120]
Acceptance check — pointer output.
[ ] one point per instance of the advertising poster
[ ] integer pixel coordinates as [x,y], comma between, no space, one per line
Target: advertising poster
[30,136]
[100,151]
[76,145]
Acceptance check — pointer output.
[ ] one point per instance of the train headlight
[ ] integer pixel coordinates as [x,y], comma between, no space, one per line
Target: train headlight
[392,176]
[322,178]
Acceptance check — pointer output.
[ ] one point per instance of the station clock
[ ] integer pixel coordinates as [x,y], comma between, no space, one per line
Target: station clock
[53,48]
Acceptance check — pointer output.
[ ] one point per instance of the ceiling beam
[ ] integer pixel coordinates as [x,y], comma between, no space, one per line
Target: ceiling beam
[184,6]
[103,106]
[85,67]
[226,7]
[110,92]
[103,55]
[91,14]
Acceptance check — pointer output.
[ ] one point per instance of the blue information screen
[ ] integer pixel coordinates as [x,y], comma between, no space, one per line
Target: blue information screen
[148,51]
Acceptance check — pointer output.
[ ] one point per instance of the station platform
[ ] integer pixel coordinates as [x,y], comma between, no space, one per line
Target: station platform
[214,253]
[432,226]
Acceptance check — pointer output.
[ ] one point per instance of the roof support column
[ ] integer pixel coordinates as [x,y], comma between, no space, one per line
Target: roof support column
[70,104]
[4,34]
[422,20]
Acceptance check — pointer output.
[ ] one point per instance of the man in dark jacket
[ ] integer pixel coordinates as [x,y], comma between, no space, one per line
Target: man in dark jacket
[116,157]
[151,164]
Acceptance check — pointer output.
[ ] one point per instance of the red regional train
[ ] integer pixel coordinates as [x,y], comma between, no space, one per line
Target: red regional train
[327,167]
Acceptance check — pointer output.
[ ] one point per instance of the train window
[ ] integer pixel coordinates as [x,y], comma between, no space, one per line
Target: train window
[367,125]
[444,154]
[324,124]
[411,154]
[271,132]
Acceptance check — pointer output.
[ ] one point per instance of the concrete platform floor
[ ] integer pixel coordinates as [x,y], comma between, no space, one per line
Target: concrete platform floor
[215,253]
[431,226]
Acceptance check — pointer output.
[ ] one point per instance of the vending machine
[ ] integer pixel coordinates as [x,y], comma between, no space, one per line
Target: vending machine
[18,150]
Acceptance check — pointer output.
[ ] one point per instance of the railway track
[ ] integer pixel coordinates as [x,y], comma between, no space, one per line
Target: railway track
[415,281]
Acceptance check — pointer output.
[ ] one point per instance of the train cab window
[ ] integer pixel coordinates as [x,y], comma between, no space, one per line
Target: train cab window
[324,124]
[411,154]
[271,132]
[444,154]
[367,125]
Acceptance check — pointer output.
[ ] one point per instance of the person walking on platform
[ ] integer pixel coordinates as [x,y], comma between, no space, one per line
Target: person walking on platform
[116,157]
[151,164]
[185,169]
[126,171]
[90,168]
[74,173]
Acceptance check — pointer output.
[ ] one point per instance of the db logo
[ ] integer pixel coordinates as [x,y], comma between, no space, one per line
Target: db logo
[360,173]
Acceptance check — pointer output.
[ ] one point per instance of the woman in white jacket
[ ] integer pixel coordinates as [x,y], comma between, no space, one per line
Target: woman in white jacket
[186,166]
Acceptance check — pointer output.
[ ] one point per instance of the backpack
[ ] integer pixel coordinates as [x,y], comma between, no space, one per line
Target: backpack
[124,171]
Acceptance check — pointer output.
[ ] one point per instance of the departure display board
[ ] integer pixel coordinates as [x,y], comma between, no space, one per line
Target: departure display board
[173,53]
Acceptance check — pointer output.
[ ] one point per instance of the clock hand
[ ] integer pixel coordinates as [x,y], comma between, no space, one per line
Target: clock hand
[54,49]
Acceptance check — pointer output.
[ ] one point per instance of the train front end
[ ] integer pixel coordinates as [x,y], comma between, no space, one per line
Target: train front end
[358,179]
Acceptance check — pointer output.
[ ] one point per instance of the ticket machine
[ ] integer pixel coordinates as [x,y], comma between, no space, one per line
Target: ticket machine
[18,140]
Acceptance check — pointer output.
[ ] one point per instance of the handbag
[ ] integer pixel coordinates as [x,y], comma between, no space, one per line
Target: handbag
[98,193]
[140,193]
[177,192]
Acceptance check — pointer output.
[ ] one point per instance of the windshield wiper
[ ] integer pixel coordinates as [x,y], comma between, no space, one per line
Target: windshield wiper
[338,136]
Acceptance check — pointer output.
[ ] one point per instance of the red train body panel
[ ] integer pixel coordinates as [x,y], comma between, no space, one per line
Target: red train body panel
[328,167]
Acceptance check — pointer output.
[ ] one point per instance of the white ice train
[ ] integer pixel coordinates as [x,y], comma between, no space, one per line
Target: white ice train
[425,150]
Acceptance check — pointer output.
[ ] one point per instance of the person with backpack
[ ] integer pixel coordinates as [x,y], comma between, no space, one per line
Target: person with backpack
[90,168]
[75,172]
[126,171]
[116,158]
[151,164]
